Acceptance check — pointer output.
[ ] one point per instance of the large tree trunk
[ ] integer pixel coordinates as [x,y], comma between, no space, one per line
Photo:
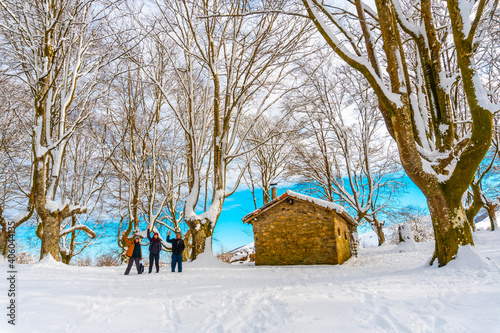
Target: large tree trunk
[444,185]
[51,226]
[451,227]
[195,238]
[50,223]
[49,230]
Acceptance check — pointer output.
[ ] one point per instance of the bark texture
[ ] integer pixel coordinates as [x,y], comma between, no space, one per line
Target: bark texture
[195,239]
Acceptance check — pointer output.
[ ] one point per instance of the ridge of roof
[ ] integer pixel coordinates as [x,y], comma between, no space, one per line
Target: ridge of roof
[320,202]
[259,210]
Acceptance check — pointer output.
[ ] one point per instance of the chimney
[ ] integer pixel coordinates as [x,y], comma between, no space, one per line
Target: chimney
[274,191]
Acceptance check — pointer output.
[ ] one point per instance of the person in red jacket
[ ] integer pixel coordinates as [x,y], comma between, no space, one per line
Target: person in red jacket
[134,252]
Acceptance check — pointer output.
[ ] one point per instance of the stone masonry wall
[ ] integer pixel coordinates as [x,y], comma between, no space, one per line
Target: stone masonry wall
[301,233]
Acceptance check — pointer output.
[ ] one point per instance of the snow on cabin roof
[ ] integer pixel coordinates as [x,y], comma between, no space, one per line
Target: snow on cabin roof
[323,203]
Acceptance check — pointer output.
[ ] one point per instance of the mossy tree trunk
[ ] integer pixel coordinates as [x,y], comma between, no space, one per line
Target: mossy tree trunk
[195,239]
[451,227]
[443,179]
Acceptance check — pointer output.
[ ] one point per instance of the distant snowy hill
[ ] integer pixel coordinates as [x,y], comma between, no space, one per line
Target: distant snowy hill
[483,222]
[483,214]
[248,247]
[243,253]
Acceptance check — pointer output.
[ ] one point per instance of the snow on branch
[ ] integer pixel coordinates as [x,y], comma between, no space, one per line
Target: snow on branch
[257,12]
[358,62]
[65,210]
[91,233]
[410,28]
[465,7]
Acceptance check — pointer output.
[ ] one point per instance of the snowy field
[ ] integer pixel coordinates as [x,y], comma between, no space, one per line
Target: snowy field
[384,290]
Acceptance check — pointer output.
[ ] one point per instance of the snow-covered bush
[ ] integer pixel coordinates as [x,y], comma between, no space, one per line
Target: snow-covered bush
[419,221]
[107,260]
[225,257]
[84,261]
[242,254]
[25,257]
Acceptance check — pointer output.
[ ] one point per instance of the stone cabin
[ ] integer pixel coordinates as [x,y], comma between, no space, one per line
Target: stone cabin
[296,229]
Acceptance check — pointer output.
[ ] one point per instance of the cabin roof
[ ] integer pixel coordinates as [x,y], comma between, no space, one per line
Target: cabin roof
[291,194]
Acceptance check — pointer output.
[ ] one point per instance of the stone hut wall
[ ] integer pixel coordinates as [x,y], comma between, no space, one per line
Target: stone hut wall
[301,233]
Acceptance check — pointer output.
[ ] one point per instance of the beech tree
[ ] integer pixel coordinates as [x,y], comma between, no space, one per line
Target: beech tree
[272,139]
[83,180]
[228,65]
[14,162]
[483,191]
[345,155]
[402,57]
[56,48]
[148,168]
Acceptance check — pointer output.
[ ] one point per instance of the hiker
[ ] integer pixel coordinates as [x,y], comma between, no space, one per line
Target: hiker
[177,248]
[154,251]
[134,253]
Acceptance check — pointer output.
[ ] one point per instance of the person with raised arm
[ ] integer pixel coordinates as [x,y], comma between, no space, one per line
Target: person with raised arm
[134,252]
[177,249]
[154,251]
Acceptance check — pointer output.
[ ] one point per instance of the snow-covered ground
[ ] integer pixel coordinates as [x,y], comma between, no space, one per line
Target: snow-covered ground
[383,290]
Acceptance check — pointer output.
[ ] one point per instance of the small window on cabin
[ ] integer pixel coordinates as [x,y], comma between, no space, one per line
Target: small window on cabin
[345,235]
[338,230]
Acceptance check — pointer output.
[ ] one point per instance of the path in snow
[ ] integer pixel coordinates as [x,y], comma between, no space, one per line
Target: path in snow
[381,291]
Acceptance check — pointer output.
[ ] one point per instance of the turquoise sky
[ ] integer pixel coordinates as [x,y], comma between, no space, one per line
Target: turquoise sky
[230,232]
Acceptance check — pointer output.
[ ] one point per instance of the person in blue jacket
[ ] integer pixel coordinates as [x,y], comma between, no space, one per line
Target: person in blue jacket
[177,249]
[154,251]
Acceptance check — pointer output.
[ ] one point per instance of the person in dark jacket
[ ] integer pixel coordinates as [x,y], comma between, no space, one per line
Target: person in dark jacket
[154,251]
[134,253]
[177,248]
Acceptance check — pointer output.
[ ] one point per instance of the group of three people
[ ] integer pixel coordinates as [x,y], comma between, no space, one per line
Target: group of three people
[134,251]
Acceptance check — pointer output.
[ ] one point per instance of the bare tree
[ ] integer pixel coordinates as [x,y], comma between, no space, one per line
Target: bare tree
[483,191]
[148,165]
[419,221]
[82,181]
[274,138]
[14,162]
[414,92]
[57,49]
[228,66]
[132,123]
[346,155]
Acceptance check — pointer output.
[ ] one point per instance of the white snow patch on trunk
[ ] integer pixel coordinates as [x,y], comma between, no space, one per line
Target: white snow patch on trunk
[465,7]
[207,258]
